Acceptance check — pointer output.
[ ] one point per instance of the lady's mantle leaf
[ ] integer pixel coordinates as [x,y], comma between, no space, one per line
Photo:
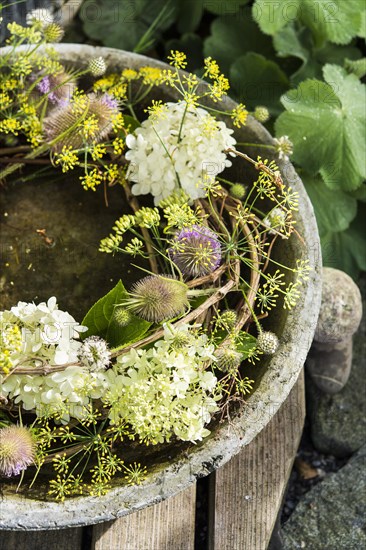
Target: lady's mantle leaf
[233,36]
[325,122]
[334,209]
[100,320]
[338,21]
[258,81]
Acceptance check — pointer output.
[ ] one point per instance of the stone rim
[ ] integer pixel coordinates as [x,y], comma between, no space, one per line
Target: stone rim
[20,513]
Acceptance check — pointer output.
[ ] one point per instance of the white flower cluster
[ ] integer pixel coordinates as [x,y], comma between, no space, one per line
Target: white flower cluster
[66,393]
[49,337]
[160,392]
[165,390]
[177,147]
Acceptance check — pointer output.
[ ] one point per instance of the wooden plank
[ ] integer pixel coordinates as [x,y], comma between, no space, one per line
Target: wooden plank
[63,539]
[248,491]
[165,526]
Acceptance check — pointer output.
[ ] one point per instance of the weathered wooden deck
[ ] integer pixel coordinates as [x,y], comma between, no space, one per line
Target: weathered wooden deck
[244,499]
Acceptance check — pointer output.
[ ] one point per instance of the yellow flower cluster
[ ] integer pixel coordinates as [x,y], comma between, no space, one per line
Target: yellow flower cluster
[118,145]
[5,100]
[90,126]
[98,151]
[29,34]
[239,115]
[92,179]
[10,126]
[177,59]
[68,158]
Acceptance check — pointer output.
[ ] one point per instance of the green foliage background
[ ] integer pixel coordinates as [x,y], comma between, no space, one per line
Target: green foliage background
[303,59]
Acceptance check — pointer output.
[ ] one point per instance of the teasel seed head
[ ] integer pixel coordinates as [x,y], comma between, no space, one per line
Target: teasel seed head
[158,298]
[102,108]
[261,113]
[17,450]
[196,251]
[267,343]
[53,32]
[97,66]
[122,316]
[238,191]
[59,88]
[228,358]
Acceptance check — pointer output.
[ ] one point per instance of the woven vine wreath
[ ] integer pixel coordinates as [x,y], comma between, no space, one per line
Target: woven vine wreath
[158,362]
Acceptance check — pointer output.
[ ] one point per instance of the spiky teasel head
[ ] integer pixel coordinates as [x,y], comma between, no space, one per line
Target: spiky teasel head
[121,316]
[59,88]
[196,251]
[53,32]
[67,126]
[94,353]
[157,298]
[228,358]
[97,66]
[238,191]
[267,343]
[17,450]
[261,113]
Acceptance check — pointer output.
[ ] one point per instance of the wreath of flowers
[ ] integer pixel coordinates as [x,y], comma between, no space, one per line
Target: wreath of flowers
[156,362]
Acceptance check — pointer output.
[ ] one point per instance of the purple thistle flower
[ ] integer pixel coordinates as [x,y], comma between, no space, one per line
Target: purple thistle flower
[17,450]
[196,251]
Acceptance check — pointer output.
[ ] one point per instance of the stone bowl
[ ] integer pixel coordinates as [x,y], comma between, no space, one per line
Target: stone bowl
[175,469]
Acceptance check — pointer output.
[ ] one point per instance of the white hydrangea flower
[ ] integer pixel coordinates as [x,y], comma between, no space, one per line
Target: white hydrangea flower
[49,337]
[67,392]
[48,334]
[174,392]
[165,154]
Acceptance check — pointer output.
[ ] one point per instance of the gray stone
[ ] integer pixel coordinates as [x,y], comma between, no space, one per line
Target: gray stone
[338,422]
[341,307]
[330,365]
[332,515]
[330,358]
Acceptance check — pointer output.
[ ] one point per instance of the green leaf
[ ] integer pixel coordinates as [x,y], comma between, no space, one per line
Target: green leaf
[233,36]
[362,30]
[218,7]
[131,122]
[258,81]
[100,320]
[325,122]
[123,23]
[345,250]
[246,345]
[360,193]
[189,15]
[357,67]
[191,44]
[337,21]
[334,209]
[318,57]
[287,42]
